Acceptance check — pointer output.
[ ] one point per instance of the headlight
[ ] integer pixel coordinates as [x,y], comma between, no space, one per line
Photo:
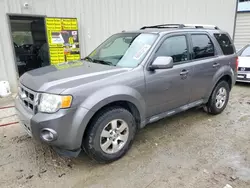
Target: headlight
[50,103]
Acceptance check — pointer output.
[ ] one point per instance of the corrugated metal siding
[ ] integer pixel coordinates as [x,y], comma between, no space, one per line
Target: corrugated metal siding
[110,16]
[242,31]
[100,18]
[3,75]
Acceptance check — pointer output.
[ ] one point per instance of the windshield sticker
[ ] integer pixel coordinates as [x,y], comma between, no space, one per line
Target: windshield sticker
[141,52]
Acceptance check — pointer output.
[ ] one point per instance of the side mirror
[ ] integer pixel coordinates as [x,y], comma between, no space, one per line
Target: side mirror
[162,62]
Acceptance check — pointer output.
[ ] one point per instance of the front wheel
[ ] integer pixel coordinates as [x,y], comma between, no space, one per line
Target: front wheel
[110,135]
[219,98]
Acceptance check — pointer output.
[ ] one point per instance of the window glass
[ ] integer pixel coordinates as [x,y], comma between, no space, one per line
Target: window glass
[123,50]
[246,52]
[202,46]
[22,38]
[115,48]
[225,44]
[176,47]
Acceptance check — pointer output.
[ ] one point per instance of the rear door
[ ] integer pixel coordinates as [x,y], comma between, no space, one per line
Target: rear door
[205,61]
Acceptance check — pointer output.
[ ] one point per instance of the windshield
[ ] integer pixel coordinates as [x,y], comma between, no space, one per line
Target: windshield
[123,49]
[245,52]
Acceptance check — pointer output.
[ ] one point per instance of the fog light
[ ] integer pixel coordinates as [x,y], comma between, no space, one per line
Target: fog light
[48,135]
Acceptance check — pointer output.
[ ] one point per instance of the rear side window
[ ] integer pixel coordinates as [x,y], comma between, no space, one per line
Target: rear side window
[202,46]
[225,44]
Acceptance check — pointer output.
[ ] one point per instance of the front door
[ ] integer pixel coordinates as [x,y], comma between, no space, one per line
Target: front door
[168,89]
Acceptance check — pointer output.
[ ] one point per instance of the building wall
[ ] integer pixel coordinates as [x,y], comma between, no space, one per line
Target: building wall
[100,18]
[242,31]
[242,28]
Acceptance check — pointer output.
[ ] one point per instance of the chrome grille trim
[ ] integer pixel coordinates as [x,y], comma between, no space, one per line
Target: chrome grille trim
[243,72]
[244,69]
[28,98]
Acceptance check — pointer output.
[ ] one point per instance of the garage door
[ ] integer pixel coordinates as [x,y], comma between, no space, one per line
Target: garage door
[242,32]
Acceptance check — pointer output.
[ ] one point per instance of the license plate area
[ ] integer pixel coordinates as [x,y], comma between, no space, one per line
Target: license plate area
[25,121]
[26,128]
[242,76]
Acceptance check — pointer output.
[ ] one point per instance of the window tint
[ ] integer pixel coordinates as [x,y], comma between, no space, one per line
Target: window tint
[176,47]
[116,48]
[202,46]
[225,44]
[246,52]
[123,49]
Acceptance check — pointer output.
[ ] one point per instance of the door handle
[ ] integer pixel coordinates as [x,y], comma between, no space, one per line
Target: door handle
[184,72]
[216,65]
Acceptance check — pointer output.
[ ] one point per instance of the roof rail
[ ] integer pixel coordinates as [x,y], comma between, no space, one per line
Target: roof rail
[201,26]
[181,26]
[164,26]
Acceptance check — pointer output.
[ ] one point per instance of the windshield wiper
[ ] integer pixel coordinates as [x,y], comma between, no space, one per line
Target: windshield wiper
[88,59]
[98,61]
[102,62]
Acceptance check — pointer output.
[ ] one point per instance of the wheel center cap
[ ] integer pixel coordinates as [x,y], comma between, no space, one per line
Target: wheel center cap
[114,135]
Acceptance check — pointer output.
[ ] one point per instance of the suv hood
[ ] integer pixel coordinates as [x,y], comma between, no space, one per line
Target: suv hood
[57,78]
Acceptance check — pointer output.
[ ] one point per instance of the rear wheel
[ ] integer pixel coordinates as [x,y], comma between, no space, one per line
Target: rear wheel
[110,135]
[219,98]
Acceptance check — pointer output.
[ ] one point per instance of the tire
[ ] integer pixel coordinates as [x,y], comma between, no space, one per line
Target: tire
[212,106]
[93,143]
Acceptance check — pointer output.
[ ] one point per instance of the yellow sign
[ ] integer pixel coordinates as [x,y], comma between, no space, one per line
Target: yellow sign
[63,39]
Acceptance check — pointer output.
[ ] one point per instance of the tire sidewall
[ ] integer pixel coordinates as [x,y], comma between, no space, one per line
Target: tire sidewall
[212,103]
[94,142]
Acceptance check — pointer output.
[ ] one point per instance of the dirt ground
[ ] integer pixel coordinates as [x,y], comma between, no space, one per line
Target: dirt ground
[189,150]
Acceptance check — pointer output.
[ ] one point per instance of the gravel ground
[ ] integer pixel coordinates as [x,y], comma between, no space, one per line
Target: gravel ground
[189,150]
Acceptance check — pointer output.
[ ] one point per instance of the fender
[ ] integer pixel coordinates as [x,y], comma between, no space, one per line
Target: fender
[223,71]
[99,99]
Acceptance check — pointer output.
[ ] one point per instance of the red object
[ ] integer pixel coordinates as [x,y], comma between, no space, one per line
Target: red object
[4,107]
[237,63]
[6,124]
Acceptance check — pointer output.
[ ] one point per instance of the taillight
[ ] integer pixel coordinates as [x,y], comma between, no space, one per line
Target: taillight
[237,63]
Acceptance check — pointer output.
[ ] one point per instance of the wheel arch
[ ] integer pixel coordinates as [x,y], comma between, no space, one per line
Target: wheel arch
[225,73]
[119,104]
[225,77]
[124,97]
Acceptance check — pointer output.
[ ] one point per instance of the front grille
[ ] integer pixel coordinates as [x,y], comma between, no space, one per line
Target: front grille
[244,69]
[28,98]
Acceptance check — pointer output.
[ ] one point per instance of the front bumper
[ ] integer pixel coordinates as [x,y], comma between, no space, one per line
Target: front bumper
[243,77]
[66,123]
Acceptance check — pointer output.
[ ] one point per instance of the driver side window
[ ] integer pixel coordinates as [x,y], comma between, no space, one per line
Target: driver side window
[176,47]
[117,48]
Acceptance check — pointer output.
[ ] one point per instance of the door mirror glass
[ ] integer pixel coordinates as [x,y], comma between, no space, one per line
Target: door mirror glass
[162,62]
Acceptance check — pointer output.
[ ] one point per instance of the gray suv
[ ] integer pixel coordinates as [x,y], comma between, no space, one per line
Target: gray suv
[132,79]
